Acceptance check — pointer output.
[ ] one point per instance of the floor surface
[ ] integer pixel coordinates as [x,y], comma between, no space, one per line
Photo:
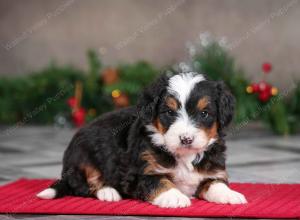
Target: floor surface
[253,155]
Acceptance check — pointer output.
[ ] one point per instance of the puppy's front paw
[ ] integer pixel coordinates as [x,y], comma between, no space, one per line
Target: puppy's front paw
[172,198]
[221,193]
[108,194]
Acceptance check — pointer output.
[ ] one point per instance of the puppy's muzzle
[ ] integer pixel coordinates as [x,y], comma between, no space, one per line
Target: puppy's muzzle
[186,140]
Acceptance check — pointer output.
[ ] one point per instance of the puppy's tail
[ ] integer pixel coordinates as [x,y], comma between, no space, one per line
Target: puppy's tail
[58,189]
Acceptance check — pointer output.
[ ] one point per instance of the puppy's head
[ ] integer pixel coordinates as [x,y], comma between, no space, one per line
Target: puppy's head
[186,112]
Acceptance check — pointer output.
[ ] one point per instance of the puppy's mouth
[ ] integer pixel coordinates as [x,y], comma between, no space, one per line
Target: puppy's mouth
[189,150]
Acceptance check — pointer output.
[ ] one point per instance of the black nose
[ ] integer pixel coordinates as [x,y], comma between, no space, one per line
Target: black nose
[186,140]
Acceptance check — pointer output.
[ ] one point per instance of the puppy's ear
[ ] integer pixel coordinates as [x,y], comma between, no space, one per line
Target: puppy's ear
[226,104]
[148,101]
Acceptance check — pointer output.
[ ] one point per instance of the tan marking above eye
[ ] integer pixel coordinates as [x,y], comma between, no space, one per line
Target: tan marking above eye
[172,103]
[202,103]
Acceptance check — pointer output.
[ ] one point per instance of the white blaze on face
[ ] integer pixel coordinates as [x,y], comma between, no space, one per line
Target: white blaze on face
[181,86]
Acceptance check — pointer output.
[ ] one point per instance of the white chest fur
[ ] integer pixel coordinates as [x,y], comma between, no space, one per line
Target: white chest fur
[186,178]
[187,181]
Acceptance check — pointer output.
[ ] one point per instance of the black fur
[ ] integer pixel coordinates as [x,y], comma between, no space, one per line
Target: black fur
[226,103]
[147,105]
[114,142]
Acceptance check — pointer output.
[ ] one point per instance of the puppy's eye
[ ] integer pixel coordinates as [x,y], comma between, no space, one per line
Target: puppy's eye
[204,114]
[170,112]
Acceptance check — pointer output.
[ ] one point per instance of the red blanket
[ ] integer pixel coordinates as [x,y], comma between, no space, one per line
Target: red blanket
[265,201]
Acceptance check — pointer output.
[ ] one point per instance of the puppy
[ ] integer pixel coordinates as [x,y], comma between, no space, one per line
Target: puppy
[165,150]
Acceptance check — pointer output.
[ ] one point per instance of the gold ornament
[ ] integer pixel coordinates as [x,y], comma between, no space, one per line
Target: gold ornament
[116,93]
[249,89]
[120,99]
[274,91]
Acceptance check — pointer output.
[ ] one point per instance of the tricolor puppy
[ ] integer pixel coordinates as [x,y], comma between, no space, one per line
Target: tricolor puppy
[166,150]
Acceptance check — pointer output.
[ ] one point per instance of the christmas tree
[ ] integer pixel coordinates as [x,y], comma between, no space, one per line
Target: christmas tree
[68,94]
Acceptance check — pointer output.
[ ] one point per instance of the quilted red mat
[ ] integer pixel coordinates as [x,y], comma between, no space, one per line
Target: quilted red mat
[265,201]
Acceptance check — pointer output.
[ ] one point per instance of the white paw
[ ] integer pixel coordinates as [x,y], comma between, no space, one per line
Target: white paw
[47,194]
[221,193]
[172,198]
[108,194]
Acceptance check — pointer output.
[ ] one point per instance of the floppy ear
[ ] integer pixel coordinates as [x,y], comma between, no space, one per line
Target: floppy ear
[150,98]
[226,104]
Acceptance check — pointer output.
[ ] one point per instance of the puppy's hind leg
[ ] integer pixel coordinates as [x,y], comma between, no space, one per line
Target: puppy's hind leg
[109,194]
[97,187]
[59,188]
